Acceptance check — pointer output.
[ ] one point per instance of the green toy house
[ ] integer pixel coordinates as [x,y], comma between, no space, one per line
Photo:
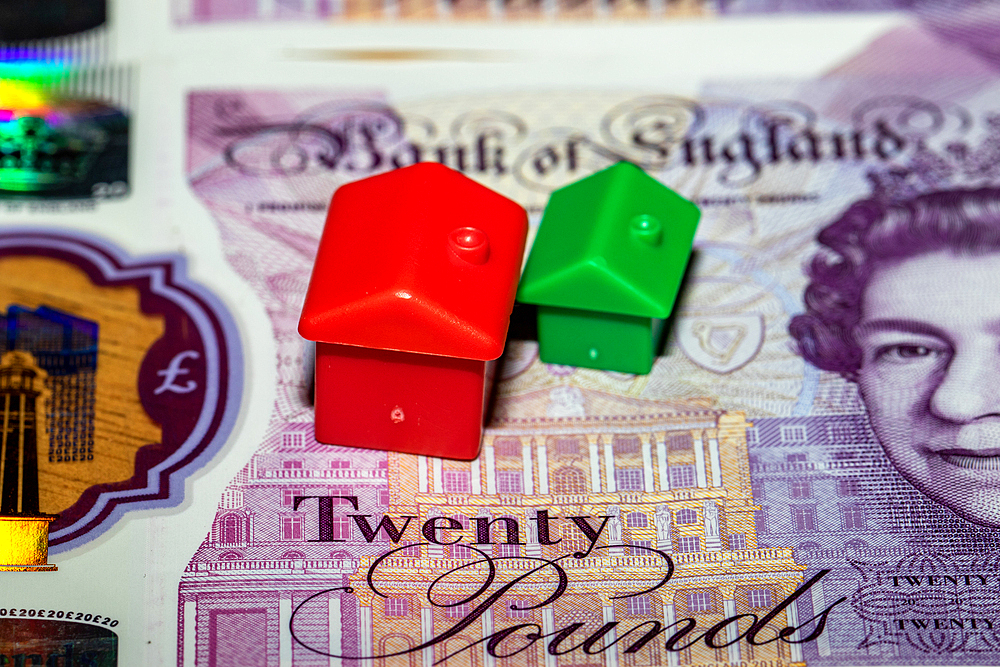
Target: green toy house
[606,267]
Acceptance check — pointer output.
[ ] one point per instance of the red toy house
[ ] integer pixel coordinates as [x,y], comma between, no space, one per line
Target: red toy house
[409,303]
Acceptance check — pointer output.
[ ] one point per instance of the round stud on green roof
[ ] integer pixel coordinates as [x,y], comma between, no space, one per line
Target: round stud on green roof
[647,229]
[606,267]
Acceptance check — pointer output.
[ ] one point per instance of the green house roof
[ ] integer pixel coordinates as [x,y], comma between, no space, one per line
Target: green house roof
[617,241]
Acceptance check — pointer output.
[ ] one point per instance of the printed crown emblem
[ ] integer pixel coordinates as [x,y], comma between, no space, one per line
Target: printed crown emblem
[956,163]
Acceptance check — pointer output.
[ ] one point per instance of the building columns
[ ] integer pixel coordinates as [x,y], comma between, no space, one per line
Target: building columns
[609,639]
[609,467]
[792,614]
[336,644]
[699,462]
[548,627]
[647,466]
[527,468]
[714,463]
[819,602]
[437,474]
[491,468]
[422,474]
[365,621]
[475,480]
[595,464]
[284,632]
[543,469]
[661,459]
[190,632]
[732,632]
[488,660]
[669,618]
[426,634]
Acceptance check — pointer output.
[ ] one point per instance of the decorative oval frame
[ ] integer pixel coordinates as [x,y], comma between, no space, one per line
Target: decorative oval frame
[160,468]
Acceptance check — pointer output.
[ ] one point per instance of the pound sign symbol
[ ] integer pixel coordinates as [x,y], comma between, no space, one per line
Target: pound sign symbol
[170,373]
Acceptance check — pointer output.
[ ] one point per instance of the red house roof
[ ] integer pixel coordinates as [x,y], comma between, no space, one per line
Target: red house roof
[421,259]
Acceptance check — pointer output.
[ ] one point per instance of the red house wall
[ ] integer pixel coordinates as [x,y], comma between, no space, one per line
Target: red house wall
[400,401]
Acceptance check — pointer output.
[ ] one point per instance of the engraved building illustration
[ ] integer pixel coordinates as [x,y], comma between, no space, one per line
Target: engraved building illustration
[670,476]
[273,584]
[262,559]
[824,485]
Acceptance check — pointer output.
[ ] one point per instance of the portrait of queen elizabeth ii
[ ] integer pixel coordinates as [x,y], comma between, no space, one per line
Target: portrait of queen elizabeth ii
[904,300]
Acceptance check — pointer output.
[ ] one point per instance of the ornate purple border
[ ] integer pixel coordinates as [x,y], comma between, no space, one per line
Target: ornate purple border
[160,468]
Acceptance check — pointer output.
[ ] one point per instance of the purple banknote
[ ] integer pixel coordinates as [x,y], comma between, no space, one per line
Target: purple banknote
[187,12]
[798,6]
[809,474]
[946,39]
[267,11]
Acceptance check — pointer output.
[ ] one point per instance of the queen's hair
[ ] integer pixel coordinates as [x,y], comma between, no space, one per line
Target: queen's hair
[871,234]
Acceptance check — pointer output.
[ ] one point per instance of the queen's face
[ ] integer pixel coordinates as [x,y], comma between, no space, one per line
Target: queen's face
[930,375]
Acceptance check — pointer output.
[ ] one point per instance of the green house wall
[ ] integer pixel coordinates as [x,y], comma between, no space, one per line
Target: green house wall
[592,339]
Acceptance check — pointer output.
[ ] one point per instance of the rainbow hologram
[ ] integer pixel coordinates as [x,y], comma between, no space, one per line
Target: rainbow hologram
[50,142]
[62,130]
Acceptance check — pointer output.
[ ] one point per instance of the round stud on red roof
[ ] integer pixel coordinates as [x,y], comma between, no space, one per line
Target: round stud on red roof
[409,306]
[470,245]
[400,267]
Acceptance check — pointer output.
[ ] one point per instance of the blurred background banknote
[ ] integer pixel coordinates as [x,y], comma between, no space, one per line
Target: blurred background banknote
[736,505]
[207,11]
[210,11]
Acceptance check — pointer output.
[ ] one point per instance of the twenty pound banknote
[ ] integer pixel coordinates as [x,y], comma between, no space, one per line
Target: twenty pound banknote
[947,15]
[212,11]
[809,475]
